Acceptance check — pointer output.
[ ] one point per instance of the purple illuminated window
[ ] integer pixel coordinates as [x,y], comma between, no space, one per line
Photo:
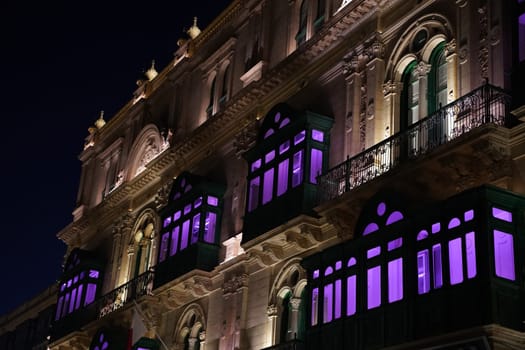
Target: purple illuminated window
[351,298]
[381,209]
[373,252]
[285,122]
[93,274]
[187,209]
[184,235]
[423,272]
[394,217]
[195,227]
[316,274]
[66,303]
[59,307]
[371,227]
[297,169]
[338,265]
[174,240]
[395,280]
[268,186]
[69,282]
[328,305]
[351,262]
[317,135]
[337,300]
[213,201]
[90,293]
[268,133]
[256,165]
[455,256]
[163,247]
[436,227]
[269,157]
[396,243]
[315,298]
[502,214]
[176,216]
[504,255]
[455,222]
[316,164]
[521,36]
[328,271]
[374,287]
[469,215]
[285,146]
[438,266]
[470,250]
[254,194]
[167,221]
[422,235]
[72,301]
[75,279]
[299,137]
[79,294]
[209,227]
[197,202]
[282,177]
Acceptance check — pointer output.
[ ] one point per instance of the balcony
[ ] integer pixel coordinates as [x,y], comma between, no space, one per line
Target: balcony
[485,105]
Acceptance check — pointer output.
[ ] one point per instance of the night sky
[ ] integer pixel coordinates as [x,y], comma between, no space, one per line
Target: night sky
[62,63]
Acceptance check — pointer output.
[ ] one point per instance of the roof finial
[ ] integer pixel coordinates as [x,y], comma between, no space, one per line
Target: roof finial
[194,30]
[151,73]
[100,121]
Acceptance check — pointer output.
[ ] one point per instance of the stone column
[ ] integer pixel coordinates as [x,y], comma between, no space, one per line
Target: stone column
[295,303]
[272,321]
[202,340]
[353,96]
[191,343]
[452,71]
[377,122]
[422,69]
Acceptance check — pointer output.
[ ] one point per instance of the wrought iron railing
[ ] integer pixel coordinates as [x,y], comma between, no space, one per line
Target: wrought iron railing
[487,104]
[126,293]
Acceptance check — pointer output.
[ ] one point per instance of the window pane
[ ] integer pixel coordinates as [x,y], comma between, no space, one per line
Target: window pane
[285,146]
[317,135]
[59,307]
[167,221]
[328,303]
[256,165]
[163,251]
[337,301]
[396,243]
[72,302]
[195,227]
[456,261]
[423,272]
[504,255]
[438,266]
[176,216]
[299,137]
[90,293]
[374,287]
[187,209]
[79,296]
[373,252]
[502,214]
[269,157]
[395,280]
[209,227]
[316,164]
[197,202]
[315,298]
[297,170]
[174,240]
[213,201]
[470,242]
[268,186]
[351,298]
[282,177]
[253,200]
[185,233]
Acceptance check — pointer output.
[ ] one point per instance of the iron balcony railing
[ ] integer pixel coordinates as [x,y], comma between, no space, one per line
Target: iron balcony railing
[487,104]
[126,293]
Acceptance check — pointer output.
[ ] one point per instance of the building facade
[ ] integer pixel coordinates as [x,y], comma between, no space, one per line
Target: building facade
[310,174]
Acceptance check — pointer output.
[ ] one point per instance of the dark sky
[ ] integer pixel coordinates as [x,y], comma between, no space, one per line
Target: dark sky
[62,62]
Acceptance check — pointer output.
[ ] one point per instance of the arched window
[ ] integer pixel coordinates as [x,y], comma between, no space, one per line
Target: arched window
[225,85]
[409,97]
[319,18]
[141,247]
[437,82]
[300,38]
[189,328]
[209,109]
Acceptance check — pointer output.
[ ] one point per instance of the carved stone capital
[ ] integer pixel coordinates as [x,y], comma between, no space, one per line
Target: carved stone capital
[422,69]
[272,310]
[392,87]
[450,47]
[295,303]
[235,283]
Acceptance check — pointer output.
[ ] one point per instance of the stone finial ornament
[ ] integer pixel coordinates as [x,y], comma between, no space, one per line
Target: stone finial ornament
[100,121]
[194,31]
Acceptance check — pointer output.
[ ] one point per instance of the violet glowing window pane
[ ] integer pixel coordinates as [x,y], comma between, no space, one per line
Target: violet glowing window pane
[422,235]
[371,227]
[268,133]
[268,186]
[337,299]
[285,146]
[197,202]
[316,164]
[187,188]
[195,227]
[317,135]
[177,195]
[436,227]
[253,201]
[163,247]
[59,307]
[328,303]
[470,250]
[469,215]
[105,345]
[66,303]
[351,296]
[455,222]
[167,221]
[285,122]
[502,214]
[338,265]
[504,255]
[299,137]
[187,209]
[373,252]
[394,217]
[213,201]
[423,272]
[184,235]
[315,298]
[176,216]
[93,273]
[328,271]
[351,262]
[316,274]
[174,240]
[396,243]
[75,279]
[72,301]
[269,157]
[282,177]
[381,209]
[82,274]
[297,169]
[374,287]
[277,117]
[63,287]
[395,280]
[79,296]
[437,265]
[455,256]
[69,282]
[256,165]
[90,293]
[209,227]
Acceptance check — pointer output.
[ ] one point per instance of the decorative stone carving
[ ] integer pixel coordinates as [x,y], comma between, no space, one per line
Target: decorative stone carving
[450,47]
[376,49]
[349,121]
[483,55]
[246,138]
[350,64]
[392,87]
[272,310]
[463,54]
[162,196]
[422,69]
[235,283]
[363,111]
[295,303]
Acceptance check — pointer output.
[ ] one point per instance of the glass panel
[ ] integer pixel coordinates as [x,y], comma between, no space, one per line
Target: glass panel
[470,242]
[316,164]
[299,137]
[396,243]
[195,227]
[316,274]
[317,135]
[79,296]
[163,251]
[423,272]
[297,169]
[256,165]
[268,133]
[455,222]
[315,298]
[373,252]
[328,271]
[351,296]
[185,233]
[337,301]
[422,235]
[90,293]
[213,201]
[59,307]
[167,221]
[253,200]
[197,202]
[268,186]
[66,304]
[72,302]
[351,262]
[438,266]
[285,146]
[469,215]
[269,157]
[455,252]
[328,303]
[187,209]
[338,265]
[93,273]
[436,227]
[209,227]
[395,280]
[174,240]
[176,216]
[374,287]
[502,214]
[282,177]
[504,255]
